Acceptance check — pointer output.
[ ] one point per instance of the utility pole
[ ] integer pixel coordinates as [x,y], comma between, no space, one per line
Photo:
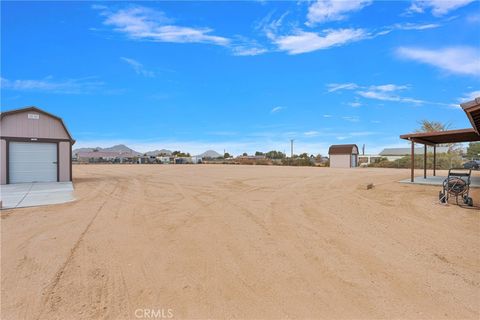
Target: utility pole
[291,150]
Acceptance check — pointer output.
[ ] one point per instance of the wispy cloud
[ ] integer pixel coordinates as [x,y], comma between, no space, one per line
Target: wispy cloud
[141,23]
[458,60]
[138,67]
[415,26]
[243,50]
[302,41]
[437,7]
[387,96]
[384,92]
[333,10]
[48,84]
[351,118]
[332,87]
[469,96]
[311,133]
[276,109]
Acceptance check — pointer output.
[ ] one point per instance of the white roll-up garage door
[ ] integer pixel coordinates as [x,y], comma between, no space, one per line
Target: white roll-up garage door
[32,162]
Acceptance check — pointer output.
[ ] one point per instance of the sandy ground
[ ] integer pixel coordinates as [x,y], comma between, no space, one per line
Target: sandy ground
[241,242]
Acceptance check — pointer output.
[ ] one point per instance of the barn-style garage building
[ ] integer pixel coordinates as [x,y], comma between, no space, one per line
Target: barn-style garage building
[343,156]
[35,146]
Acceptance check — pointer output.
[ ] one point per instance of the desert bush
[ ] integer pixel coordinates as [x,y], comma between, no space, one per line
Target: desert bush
[444,161]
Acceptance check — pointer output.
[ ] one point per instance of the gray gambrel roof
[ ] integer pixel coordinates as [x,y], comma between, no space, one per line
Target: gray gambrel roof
[407,151]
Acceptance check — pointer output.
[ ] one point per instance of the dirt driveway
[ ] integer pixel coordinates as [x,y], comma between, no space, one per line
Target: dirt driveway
[241,242]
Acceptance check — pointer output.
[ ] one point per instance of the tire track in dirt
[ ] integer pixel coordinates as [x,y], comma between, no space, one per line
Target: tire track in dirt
[59,274]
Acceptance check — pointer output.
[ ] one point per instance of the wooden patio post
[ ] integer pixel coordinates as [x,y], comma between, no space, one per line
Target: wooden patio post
[412,157]
[434,159]
[425,161]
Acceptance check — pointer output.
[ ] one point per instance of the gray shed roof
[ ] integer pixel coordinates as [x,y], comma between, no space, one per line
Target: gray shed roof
[407,151]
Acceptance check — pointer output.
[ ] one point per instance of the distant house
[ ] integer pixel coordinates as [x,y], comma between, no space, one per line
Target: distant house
[104,156]
[164,159]
[343,156]
[393,154]
[196,159]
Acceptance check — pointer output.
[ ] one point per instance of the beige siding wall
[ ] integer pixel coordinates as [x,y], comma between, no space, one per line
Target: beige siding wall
[18,125]
[3,162]
[340,161]
[64,158]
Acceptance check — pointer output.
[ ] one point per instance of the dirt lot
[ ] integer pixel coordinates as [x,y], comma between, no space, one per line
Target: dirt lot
[241,242]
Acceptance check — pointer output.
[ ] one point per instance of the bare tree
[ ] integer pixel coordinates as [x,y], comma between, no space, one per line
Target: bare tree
[432,126]
[435,126]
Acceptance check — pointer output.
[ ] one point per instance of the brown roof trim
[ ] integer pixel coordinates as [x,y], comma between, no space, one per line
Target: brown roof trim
[440,137]
[35,109]
[342,149]
[472,109]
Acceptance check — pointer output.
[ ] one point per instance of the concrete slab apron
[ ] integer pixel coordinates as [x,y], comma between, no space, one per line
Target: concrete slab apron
[36,194]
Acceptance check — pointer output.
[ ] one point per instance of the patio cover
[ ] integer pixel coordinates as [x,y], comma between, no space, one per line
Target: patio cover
[472,110]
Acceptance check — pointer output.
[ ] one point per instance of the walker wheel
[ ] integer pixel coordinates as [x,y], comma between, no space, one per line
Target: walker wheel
[441,197]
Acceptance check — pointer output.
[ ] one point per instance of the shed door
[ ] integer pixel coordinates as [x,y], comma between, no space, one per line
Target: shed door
[32,162]
[353,161]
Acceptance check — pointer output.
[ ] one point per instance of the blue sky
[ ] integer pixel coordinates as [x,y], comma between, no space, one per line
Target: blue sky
[242,76]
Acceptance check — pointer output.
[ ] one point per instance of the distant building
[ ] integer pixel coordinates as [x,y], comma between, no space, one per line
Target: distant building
[196,159]
[164,160]
[104,156]
[393,154]
[343,156]
[366,159]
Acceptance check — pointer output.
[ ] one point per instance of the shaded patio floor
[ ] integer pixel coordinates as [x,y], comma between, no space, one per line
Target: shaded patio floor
[438,181]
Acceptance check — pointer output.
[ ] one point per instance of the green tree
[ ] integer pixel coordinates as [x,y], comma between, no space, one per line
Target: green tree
[180,154]
[245,154]
[473,150]
[258,153]
[275,155]
[226,155]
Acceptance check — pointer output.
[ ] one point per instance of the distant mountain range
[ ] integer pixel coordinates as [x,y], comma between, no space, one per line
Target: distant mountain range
[121,148]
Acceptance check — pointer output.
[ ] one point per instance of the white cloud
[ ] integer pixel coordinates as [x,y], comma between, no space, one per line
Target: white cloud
[438,7]
[48,84]
[416,26]
[332,87]
[384,92]
[276,109]
[327,116]
[248,51]
[387,96]
[355,104]
[142,23]
[333,10]
[138,67]
[470,96]
[302,42]
[459,60]
[351,118]
[388,87]
[311,133]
